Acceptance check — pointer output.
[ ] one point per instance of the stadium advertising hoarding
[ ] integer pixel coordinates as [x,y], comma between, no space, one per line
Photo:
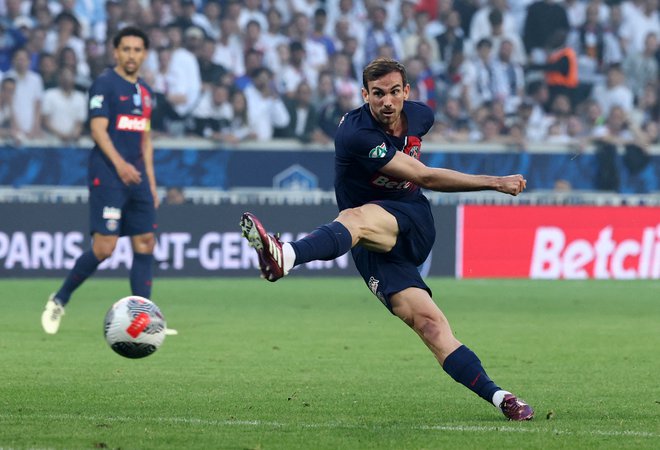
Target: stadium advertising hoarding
[558,242]
[39,240]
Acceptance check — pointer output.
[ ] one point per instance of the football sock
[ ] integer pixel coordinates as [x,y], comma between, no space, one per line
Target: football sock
[325,243]
[464,366]
[142,274]
[85,265]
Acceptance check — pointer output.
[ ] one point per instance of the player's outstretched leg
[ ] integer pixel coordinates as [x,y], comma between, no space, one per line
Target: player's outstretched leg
[268,247]
[52,315]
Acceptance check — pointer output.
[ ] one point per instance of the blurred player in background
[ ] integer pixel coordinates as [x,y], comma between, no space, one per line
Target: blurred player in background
[386,221]
[122,183]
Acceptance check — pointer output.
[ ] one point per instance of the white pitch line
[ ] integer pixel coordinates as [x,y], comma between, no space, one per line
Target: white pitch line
[331,425]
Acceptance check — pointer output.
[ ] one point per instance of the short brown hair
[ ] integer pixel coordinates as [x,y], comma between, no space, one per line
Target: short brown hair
[380,67]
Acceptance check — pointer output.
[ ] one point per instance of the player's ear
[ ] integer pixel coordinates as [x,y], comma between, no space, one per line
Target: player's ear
[406,91]
[365,95]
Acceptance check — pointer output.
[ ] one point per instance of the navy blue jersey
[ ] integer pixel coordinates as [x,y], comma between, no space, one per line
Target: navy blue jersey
[127,106]
[362,148]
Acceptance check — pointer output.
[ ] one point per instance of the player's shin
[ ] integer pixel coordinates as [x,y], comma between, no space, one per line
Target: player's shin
[142,274]
[85,266]
[465,367]
[325,243]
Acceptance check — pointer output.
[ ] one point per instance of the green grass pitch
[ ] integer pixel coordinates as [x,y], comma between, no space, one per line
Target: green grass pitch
[311,363]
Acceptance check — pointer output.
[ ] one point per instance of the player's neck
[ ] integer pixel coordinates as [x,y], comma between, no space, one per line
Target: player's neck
[128,77]
[398,128]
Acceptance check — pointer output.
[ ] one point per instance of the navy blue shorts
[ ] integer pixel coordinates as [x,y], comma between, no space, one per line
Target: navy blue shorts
[391,272]
[121,211]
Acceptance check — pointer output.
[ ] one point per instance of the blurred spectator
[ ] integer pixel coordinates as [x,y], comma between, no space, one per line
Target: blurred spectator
[253,61]
[92,17]
[638,22]
[10,40]
[253,38]
[209,71]
[544,17]
[300,30]
[379,34]
[303,125]
[532,111]
[590,42]
[48,70]
[214,112]
[422,83]
[27,97]
[640,69]
[561,67]
[239,129]
[405,18]
[228,50]
[613,92]
[8,128]
[325,90]
[332,113]
[66,34]
[212,11]
[35,46]
[265,107]
[617,131]
[193,17]
[296,71]
[481,25]
[68,58]
[509,78]
[251,10]
[174,196]
[483,90]
[451,40]
[318,34]
[453,123]
[424,31]
[344,78]
[500,34]
[185,83]
[64,109]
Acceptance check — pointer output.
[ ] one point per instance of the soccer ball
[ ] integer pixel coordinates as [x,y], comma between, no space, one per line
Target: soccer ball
[134,327]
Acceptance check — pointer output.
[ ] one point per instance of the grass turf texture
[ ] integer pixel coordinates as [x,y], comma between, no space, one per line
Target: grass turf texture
[320,364]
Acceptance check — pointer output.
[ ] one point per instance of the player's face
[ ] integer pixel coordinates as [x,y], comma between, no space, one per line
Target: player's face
[385,97]
[129,54]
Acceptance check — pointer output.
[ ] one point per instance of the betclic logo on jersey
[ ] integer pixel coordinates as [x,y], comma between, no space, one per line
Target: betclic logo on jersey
[127,122]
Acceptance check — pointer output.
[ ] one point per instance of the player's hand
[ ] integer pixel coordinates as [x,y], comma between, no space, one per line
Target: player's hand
[512,184]
[128,173]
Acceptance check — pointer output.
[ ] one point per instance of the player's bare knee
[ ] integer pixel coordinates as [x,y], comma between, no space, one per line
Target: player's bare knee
[429,328]
[103,251]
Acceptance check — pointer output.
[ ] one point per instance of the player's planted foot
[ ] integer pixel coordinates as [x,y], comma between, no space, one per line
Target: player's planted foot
[268,247]
[52,315]
[516,409]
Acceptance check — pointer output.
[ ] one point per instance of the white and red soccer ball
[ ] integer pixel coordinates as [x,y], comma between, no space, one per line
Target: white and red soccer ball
[134,327]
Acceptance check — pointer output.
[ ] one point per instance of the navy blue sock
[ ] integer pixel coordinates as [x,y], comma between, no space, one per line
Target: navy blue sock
[464,366]
[141,274]
[325,243]
[85,266]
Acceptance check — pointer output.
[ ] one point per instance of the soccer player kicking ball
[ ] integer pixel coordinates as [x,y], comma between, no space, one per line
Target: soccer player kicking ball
[386,221]
[122,184]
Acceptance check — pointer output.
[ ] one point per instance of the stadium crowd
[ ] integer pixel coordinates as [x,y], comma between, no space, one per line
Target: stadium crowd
[517,72]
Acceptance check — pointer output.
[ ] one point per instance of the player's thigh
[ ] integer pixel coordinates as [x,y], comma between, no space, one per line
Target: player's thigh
[139,213]
[106,210]
[371,226]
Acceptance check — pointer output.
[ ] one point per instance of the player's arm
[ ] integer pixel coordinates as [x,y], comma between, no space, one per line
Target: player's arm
[446,180]
[126,171]
[148,155]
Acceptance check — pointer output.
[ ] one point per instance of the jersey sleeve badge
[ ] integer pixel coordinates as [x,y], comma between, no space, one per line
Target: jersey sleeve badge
[379,151]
